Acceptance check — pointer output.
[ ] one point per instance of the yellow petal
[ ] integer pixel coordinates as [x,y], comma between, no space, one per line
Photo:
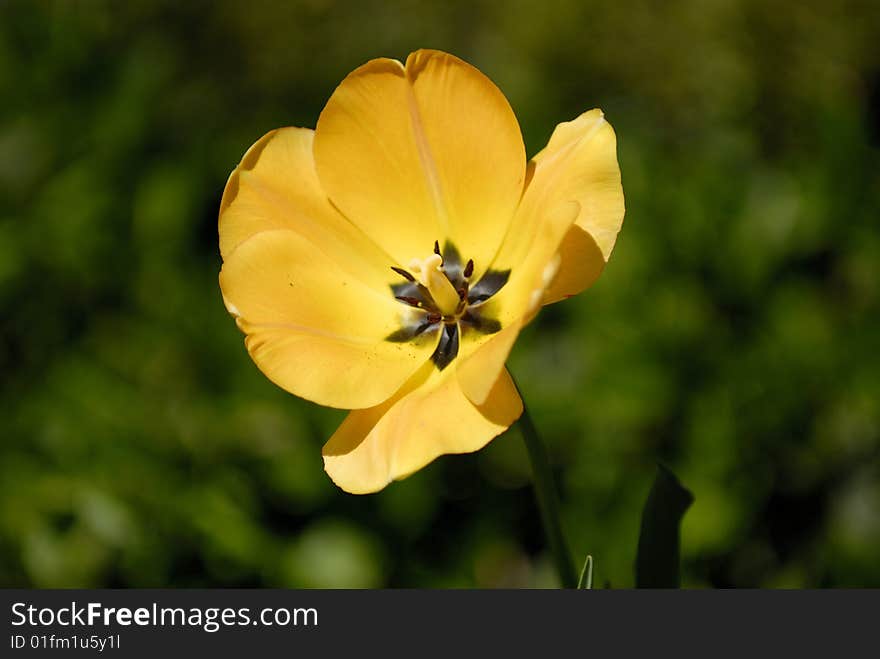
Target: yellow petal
[552,251]
[482,358]
[276,187]
[531,253]
[430,151]
[581,262]
[429,417]
[313,328]
[580,163]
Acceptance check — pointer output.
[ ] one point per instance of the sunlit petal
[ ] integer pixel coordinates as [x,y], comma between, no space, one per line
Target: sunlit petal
[275,187]
[552,251]
[580,163]
[430,151]
[430,417]
[532,256]
[482,359]
[315,329]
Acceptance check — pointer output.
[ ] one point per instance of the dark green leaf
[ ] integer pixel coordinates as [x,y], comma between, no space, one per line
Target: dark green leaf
[657,562]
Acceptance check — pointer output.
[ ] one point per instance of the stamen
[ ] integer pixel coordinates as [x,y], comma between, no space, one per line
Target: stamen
[403,273]
[411,301]
[429,273]
[441,288]
[437,252]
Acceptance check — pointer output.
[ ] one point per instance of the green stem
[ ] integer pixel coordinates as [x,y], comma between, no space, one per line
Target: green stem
[548,501]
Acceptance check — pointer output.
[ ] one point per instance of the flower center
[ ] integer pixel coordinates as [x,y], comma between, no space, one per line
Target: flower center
[440,296]
[429,273]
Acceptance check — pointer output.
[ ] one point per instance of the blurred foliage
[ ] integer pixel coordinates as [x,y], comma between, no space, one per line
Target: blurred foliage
[733,336]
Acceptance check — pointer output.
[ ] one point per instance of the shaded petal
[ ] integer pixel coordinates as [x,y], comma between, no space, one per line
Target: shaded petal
[313,328]
[430,151]
[429,417]
[276,187]
[580,264]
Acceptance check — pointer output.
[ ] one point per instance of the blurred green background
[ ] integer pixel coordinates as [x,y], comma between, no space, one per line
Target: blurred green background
[735,334]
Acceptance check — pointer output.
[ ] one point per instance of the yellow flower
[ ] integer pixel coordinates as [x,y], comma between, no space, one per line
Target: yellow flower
[386,261]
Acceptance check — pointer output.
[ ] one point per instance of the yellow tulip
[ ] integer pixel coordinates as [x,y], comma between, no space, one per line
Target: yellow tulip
[385,262]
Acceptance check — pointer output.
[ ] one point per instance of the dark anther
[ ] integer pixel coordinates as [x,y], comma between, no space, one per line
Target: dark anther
[437,247]
[433,318]
[468,269]
[403,273]
[462,291]
[411,301]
